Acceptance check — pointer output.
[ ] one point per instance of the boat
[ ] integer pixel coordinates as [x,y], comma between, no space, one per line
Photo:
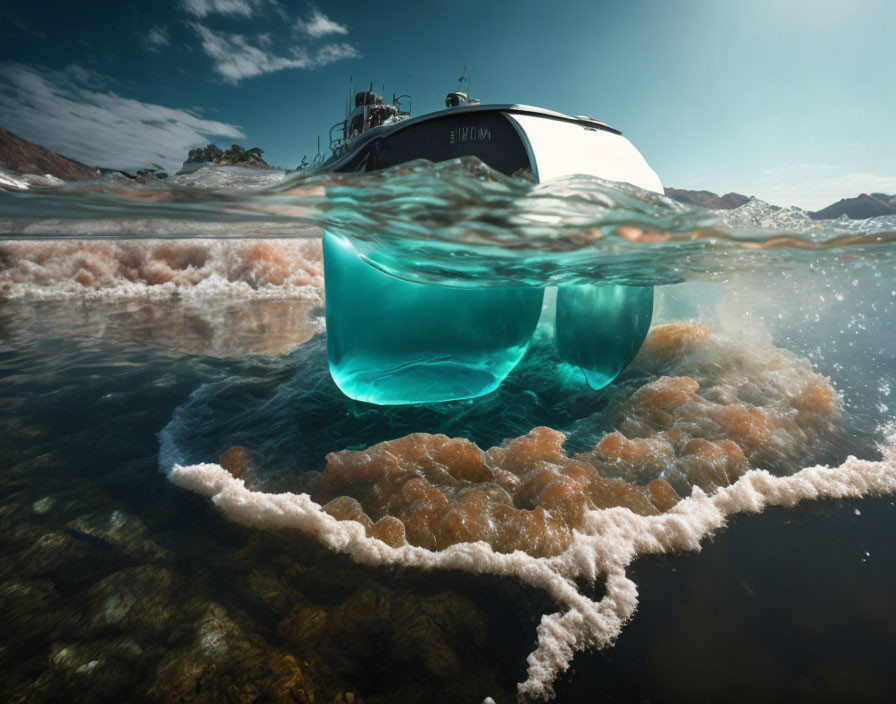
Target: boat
[512,139]
[391,341]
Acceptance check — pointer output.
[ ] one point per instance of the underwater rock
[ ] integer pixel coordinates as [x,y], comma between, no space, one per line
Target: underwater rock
[242,463]
[667,342]
[527,495]
[390,530]
[423,635]
[225,663]
[236,460]
[303,627]
[346,624]
[136,600]
[43,506]
[272,590]
[64,558]
[17,529]
[363,619]
[117,530]
[437,631]
[345,508]
[28,610]
[100,670]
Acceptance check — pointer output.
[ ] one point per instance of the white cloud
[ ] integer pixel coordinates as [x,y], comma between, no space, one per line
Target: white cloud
[320,25]
[236,58]
[203,8]
[157,38]
[278,8]
[329,53]
[81,74]
[55,109]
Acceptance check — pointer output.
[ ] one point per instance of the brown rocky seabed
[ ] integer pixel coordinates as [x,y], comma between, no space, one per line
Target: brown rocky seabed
[98,609]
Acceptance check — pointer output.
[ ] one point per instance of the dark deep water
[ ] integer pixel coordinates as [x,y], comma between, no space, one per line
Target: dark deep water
[125,356]
[117,585]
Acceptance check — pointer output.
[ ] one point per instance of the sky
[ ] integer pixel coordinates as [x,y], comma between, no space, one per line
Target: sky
[793,101]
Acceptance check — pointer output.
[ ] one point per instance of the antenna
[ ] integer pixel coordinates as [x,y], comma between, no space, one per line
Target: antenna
[461,80]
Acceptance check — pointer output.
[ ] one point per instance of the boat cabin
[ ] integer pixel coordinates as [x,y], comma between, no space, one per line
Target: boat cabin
[369,111]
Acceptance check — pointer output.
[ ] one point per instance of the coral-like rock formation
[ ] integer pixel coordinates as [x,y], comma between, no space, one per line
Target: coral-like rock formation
[674,432]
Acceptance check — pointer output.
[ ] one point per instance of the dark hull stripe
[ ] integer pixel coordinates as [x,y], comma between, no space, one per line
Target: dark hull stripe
[486,134]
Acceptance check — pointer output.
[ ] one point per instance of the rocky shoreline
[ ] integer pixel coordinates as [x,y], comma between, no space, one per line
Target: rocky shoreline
[210,155]
[21,156]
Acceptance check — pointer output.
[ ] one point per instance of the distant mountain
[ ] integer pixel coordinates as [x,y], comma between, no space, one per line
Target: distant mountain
[708,199]
[858,208]
[20,155]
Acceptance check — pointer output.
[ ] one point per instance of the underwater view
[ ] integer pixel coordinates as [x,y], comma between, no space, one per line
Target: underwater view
[453,353]
[193,510]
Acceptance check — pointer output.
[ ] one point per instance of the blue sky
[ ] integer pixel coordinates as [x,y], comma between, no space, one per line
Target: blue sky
[793,101]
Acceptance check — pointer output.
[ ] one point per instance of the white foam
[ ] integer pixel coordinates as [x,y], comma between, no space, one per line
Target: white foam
[22,182]
[609,541]
[160,269]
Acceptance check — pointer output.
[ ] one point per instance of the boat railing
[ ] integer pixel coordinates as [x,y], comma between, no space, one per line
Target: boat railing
[397,101]
[338,142]
[365,117]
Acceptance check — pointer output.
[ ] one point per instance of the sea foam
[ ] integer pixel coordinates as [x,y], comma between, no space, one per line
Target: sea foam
[608,543]
[156,269]
[757,404]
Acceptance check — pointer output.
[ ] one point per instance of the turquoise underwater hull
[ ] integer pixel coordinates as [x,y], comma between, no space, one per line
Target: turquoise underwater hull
[391,341]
